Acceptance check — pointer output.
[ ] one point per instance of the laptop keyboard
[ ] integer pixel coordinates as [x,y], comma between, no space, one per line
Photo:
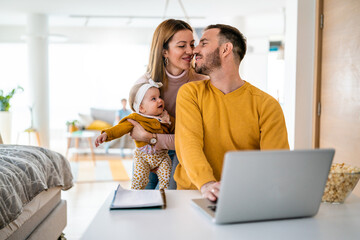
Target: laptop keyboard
[212,208]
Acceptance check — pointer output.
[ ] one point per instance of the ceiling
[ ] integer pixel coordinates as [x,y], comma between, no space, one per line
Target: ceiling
[133,13]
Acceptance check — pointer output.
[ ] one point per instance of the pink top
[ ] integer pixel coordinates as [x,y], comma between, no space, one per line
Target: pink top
[166,141]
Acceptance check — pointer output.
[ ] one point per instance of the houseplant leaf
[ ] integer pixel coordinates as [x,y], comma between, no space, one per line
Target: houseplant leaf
[5,99]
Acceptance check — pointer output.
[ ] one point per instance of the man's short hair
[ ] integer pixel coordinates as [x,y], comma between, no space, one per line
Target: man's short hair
[231,34]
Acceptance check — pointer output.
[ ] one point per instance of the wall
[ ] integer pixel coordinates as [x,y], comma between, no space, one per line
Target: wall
[259,30]
[299,73]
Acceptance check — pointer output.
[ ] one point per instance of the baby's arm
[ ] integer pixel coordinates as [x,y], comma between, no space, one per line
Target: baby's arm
[122,128]
[100,139]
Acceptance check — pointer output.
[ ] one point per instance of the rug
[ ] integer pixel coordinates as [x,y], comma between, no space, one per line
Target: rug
[102,170]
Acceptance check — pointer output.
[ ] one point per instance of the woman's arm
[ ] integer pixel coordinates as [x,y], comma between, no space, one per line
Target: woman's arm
[164,141]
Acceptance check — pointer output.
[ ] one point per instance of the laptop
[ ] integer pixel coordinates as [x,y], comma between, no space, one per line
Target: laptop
[266,185]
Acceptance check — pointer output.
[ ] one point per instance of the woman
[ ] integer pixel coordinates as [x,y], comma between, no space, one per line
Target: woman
[170,63]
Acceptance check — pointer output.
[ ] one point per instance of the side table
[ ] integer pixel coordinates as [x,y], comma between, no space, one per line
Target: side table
[86,135]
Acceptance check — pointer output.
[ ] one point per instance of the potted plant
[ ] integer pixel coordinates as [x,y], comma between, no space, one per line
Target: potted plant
[72,125]
[5,115]
[5,99]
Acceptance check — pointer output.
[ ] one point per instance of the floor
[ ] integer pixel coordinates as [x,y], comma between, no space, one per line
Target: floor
[83,202]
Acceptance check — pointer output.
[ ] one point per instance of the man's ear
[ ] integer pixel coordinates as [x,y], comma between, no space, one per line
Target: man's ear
[226,49]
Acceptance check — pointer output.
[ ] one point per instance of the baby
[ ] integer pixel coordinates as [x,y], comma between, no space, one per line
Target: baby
[149,112]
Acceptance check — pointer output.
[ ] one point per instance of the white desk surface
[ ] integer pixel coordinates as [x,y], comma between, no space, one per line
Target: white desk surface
[182,220]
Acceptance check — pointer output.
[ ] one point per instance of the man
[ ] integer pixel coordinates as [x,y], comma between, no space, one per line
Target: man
[120,114]
[124,112]
[221,114]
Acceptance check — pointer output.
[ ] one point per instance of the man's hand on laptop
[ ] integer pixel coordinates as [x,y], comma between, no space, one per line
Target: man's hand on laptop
[210,190]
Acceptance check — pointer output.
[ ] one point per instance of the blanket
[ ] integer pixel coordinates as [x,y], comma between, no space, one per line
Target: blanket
[26,171]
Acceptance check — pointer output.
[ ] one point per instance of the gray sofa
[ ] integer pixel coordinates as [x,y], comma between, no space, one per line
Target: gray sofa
[106,115]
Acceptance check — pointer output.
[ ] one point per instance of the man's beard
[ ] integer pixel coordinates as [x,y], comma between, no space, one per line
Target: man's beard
[212,61]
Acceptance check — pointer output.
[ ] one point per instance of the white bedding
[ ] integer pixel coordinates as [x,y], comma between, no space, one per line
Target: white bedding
[25,172]
[30,210]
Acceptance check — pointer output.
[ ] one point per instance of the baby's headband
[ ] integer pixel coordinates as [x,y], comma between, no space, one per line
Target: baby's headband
[141,93]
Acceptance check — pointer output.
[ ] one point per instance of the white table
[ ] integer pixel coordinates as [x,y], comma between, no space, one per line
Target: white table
[87,135]
[181,220]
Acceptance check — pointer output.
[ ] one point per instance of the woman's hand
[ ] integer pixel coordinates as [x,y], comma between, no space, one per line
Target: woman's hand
[139,133]
[100,139]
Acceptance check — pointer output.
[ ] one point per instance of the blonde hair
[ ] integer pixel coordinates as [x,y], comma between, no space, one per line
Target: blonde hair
[161,38]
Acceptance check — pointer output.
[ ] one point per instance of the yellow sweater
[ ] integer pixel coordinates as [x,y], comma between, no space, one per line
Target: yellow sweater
[210,123]
[149,124]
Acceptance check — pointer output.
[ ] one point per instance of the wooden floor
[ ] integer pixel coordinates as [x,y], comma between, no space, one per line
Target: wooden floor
[83,202]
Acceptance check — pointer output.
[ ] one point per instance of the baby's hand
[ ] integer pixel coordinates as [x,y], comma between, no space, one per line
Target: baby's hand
[100,139]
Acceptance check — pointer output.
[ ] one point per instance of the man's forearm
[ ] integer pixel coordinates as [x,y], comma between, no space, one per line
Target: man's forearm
[210,190]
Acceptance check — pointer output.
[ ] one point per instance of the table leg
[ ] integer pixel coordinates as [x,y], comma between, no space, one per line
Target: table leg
[37,137]
[68,146]
[77,149]
[92,150]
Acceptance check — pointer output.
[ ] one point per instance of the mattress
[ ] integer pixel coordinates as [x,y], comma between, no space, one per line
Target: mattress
[32,215]
[25,172]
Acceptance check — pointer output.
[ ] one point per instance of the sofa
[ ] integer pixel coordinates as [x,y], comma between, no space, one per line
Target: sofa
[99,119]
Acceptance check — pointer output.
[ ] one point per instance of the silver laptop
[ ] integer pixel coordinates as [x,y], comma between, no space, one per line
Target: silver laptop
[265,185]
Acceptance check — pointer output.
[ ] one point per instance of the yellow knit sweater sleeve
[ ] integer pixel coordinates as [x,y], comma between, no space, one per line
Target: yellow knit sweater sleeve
[273,133]
[189,143]
[122,128]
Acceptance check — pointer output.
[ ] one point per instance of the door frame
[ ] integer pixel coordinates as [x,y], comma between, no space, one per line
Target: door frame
[317,72]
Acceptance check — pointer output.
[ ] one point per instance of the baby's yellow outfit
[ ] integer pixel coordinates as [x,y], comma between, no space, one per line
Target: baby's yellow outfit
[145,156]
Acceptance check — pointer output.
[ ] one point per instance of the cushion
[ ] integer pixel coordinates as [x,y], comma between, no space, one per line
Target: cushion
[85,119]
[98,125]
[103,114]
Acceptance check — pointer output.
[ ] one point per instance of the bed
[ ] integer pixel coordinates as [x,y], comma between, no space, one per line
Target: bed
[31,180]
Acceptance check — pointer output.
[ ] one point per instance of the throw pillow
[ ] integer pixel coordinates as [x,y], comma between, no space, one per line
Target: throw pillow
[106,115]
[98,125]
[85,119]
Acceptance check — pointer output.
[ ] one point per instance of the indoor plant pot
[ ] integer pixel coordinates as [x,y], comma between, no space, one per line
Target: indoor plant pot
[5,115]
[5,126]
[72,126]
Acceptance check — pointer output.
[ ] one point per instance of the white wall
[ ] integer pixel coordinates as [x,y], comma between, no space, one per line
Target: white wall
[255,63]
[305,74]
[13,73]
[258,30]
[299,74]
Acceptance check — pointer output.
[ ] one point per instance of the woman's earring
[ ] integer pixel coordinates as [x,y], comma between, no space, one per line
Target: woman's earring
[166,61]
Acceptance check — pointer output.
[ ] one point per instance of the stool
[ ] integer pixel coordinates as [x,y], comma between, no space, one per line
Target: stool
[30,131]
